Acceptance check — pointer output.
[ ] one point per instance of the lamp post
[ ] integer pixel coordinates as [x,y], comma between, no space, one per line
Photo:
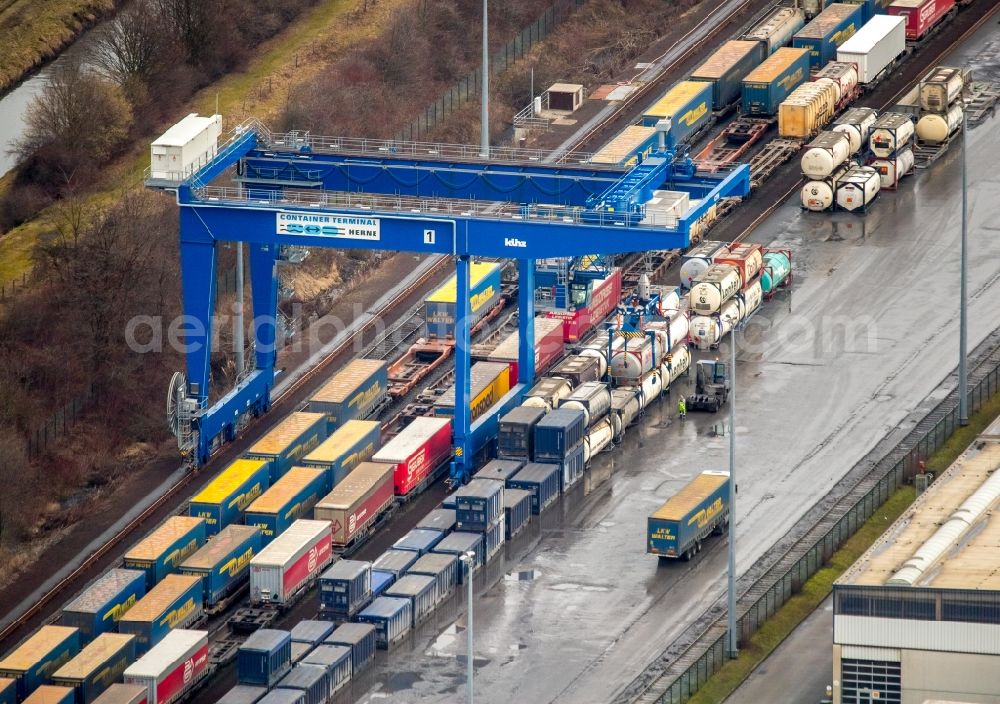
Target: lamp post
[467,559]
[731,586]
[484,142]
[963,333]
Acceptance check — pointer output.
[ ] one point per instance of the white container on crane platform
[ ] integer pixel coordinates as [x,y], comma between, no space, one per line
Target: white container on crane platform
[185,148]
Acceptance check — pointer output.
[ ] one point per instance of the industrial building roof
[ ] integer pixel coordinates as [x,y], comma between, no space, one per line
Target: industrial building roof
[950,537]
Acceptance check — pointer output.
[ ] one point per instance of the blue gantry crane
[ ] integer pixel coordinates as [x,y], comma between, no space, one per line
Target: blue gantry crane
[294,189]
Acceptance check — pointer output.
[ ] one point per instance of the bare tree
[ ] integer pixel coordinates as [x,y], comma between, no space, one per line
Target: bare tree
[16,475]
[131,49]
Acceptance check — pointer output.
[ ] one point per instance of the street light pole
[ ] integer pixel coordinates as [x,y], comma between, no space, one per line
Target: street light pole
[484,142]
[963,333]
[731,587]
[467,558]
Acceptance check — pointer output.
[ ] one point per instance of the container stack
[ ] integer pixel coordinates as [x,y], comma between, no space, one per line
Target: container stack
[941,112]
[824,162]
[479,508]
[726,294]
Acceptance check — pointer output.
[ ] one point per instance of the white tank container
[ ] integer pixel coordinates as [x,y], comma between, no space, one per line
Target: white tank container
[940,87]
[752,298]
[669,332]
[714,287]
[844,77]
[894,168]
[824,154]
[818,196]
[597,438]
[698,259]
[591,397]
[858,188]
[670,300]
[651,387]
[626,404]
[634,359]
[934,128]
[680,361]
[599,350]
[856,123]
[891,132]
[708,330]
[547,393]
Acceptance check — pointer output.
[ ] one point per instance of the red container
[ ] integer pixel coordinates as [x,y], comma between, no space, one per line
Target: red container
[355,503]
[416,452]
[549,347]
[748,260]
[921,15]
[172,666]
[290,561]
[603,299]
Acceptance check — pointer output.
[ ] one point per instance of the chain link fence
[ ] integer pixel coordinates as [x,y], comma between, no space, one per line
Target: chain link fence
[59,423]
[688,672]
[468,88]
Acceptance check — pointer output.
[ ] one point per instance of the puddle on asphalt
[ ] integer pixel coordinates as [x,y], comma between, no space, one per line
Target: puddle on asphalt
[570,587]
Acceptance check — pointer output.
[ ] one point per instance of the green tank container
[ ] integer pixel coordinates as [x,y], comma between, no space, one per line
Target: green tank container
[777,268]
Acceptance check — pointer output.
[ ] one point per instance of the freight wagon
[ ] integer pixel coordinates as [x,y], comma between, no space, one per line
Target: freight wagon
[51,694]
[227,496]
[345,589]
[33,661]
[875,47]
[549,347]
[224,564]
[628,148]
[165,548]
[488,383]
[289,441]
[827,31]
[770,83]
[776,30]
[97,667]
[101,605]
[592,300]
[360,638]
[701,508]
[336,660]
[726,68]
[358,391]
[484,294]
[417,453]
[392,618]
[287,566]
[290,499]
[123,694]
[921,16]
[173,667]
[347,447]
[357,502]
[264,658]
[688,105]
[176,602]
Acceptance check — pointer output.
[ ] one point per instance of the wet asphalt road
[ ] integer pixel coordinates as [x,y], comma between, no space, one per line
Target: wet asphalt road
[869,329]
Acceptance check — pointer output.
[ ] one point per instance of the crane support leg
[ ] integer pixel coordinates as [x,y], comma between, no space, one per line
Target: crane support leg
[462,463]
[526,321]
[198,290]
[264,282]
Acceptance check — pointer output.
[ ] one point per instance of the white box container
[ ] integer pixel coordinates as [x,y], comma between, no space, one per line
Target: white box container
[185,147]
[171,667]
[875,46]
[291,562]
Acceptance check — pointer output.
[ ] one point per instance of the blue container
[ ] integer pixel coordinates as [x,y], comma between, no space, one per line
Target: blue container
[224,562]
[98,609]
[395,561]
[176,602]
[694,512]
[227,496]
[289,441]
[381,581]
[571,467]
[542,480]
[517,427]
[769,84]
[440,519]
[478,505]
[869,8]
[160,552]
[284,696]
[726,68]
[484,290]
[421,590]
[459,543]
[689,105]
[449,501]
[355,392]
[345,588]
[494,537]
[52,694]
[500,470]
[517,510]
[347,447]
[8,691]
[336,660]
[292,497]
[33,662]
[314,680]
[312,632]
[243,694]
[97,667]
[418,540]
[443,568]
[827,31]
[557,433]
[264,658]
[360,638]
[392,618]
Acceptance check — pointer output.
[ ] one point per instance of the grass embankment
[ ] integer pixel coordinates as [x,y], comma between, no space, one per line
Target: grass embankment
[819,586]
[296,54]
[33,31]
